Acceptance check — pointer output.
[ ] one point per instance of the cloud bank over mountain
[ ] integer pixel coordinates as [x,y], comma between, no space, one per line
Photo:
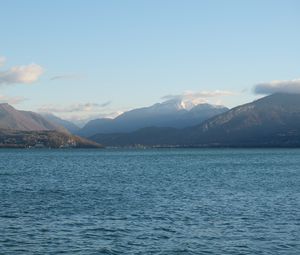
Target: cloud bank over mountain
[91,110]
[87,107]
[190,98]
[190,95]
[284,86]
[80,112]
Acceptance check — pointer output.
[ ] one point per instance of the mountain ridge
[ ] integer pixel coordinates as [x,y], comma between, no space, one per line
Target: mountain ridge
[167,114]
[270,121]
[26,129]
[10,118]
[68,125]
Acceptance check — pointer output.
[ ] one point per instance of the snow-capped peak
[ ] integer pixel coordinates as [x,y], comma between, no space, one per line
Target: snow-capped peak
[177,105]
[183,104]
[187,104]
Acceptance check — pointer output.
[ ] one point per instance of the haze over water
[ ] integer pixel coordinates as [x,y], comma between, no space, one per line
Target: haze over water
[167,201]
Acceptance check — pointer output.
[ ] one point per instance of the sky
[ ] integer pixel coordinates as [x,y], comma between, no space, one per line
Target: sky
[87,58]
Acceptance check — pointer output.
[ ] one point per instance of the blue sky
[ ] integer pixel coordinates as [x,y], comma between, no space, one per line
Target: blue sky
[99,57]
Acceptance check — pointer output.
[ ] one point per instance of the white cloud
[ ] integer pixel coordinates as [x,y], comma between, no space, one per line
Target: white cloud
[2,61]
[66,77]
[81,113]
[284,86]
[11,100]
[86,108]
[198,97]
[81,119]
[109,115]
[21,74]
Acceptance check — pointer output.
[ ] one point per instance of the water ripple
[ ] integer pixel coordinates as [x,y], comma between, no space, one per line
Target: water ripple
[150,202]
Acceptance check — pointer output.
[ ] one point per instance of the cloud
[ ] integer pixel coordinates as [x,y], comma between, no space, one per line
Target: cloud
[21,74]
[198,97]
[11,100]
[105,104]
[87,108]
[2,61]
[81,113]
[66,77]
[82,119]
[285,86]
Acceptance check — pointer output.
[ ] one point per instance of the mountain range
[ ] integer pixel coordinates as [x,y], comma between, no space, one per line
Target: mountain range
[13,119]
[24,129]
[172,113]
[272,121]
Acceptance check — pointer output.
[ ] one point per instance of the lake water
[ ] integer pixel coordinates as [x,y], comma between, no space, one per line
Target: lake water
[166,201]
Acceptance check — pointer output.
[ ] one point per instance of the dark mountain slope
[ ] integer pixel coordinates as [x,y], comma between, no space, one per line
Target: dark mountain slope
[151,136]
[94,126]
[271,121]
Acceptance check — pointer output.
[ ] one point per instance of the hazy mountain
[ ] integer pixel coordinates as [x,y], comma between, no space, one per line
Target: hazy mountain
[94,126]
[172,113]
[12,119]
[70,126]
[23,129]
[271,121]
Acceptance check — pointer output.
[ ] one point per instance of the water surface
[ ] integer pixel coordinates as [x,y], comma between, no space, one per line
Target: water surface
[166,201]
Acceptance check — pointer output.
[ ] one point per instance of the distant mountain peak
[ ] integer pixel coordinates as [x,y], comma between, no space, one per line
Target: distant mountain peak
[271,121]
[175,112]
[185,104]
